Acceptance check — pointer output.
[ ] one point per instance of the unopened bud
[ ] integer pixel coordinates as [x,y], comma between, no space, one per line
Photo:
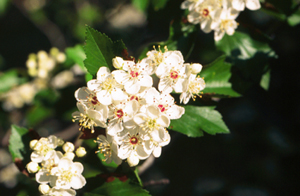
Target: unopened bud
[133,160]
[61,57]
[32,167]
[80,152]
[60,142]
[69,155]
[68,147]
[118,62]
[44,188]
[32,144]
[195,68]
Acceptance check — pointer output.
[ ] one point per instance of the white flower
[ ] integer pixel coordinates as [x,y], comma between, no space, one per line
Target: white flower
[190,4]
[89,118]
[61,192]
[172,72]
[194,68]
[69,155]
[121,115]
[155,146]
[43,147]
[109,148]
[153,122]
[106,87]
[227,23]
[165,103]
[119,63]
[132,146]
[67,175]
[43,175]
[250,4]
[206,13]
[89,99]
[133,76]
[195,86]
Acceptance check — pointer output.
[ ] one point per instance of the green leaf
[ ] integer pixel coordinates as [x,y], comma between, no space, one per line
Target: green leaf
[265,80]
[77,55]
[294,19]
[92,194]
[119,188]
[37,114]
[216,76]
[100,50]
[140,4]
[19,143]
[198,119]
[242,44]
[159,4]
[8,80]
[3,6]
[112,164]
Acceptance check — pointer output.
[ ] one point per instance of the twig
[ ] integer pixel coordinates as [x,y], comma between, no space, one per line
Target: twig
[146,165]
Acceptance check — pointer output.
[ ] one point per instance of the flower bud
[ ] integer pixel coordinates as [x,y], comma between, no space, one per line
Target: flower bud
[118,62]
[68,147]
[80,152]
[61,57]
[44,188]
[133,160]
[69,155]
[60,142]
[32,144]
[32,167]
[195,68]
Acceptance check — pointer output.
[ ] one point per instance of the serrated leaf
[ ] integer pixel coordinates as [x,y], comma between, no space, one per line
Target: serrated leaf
[100,50]
[244,45]
[19,143]
[119,188]
[198,119]
[8,80]
[217,75]
[77,55]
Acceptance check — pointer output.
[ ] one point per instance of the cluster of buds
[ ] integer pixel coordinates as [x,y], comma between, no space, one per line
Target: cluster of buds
[135,114]
[56,172]
[217,15]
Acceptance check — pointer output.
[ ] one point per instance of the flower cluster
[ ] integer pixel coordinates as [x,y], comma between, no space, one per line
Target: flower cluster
[217,15]
[134,113]
[55,168]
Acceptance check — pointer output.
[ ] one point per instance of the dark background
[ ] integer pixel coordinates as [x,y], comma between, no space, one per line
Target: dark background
[260,157]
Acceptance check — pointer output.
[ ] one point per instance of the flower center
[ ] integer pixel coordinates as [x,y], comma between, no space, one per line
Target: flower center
[134,74]
[119,113]
[161,107]
[174,75]
[133,140]
[108,84]
[66,176]
[85,122]
[134,97]
[94,100]
[205,12]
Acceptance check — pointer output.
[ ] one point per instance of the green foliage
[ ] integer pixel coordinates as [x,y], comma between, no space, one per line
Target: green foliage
[100,50]
[294,19]
[265,80]
[243,46]
[198,119]
[140,4]
[3,6]
[8,80]
[19,143]
[119,188]
[76,54]
[159,4]
[217,78]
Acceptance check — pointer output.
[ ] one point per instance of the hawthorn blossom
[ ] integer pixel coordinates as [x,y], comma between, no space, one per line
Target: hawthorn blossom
[195,86]
[132,146]
[250,4]
[153,122]
[106,87]
[42,147]
[133,76]
[88,98]
[109,148]
[190,4]
[156,146]
[227,23]
[120,116]
[67,175]
[89,118]
[59,192]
